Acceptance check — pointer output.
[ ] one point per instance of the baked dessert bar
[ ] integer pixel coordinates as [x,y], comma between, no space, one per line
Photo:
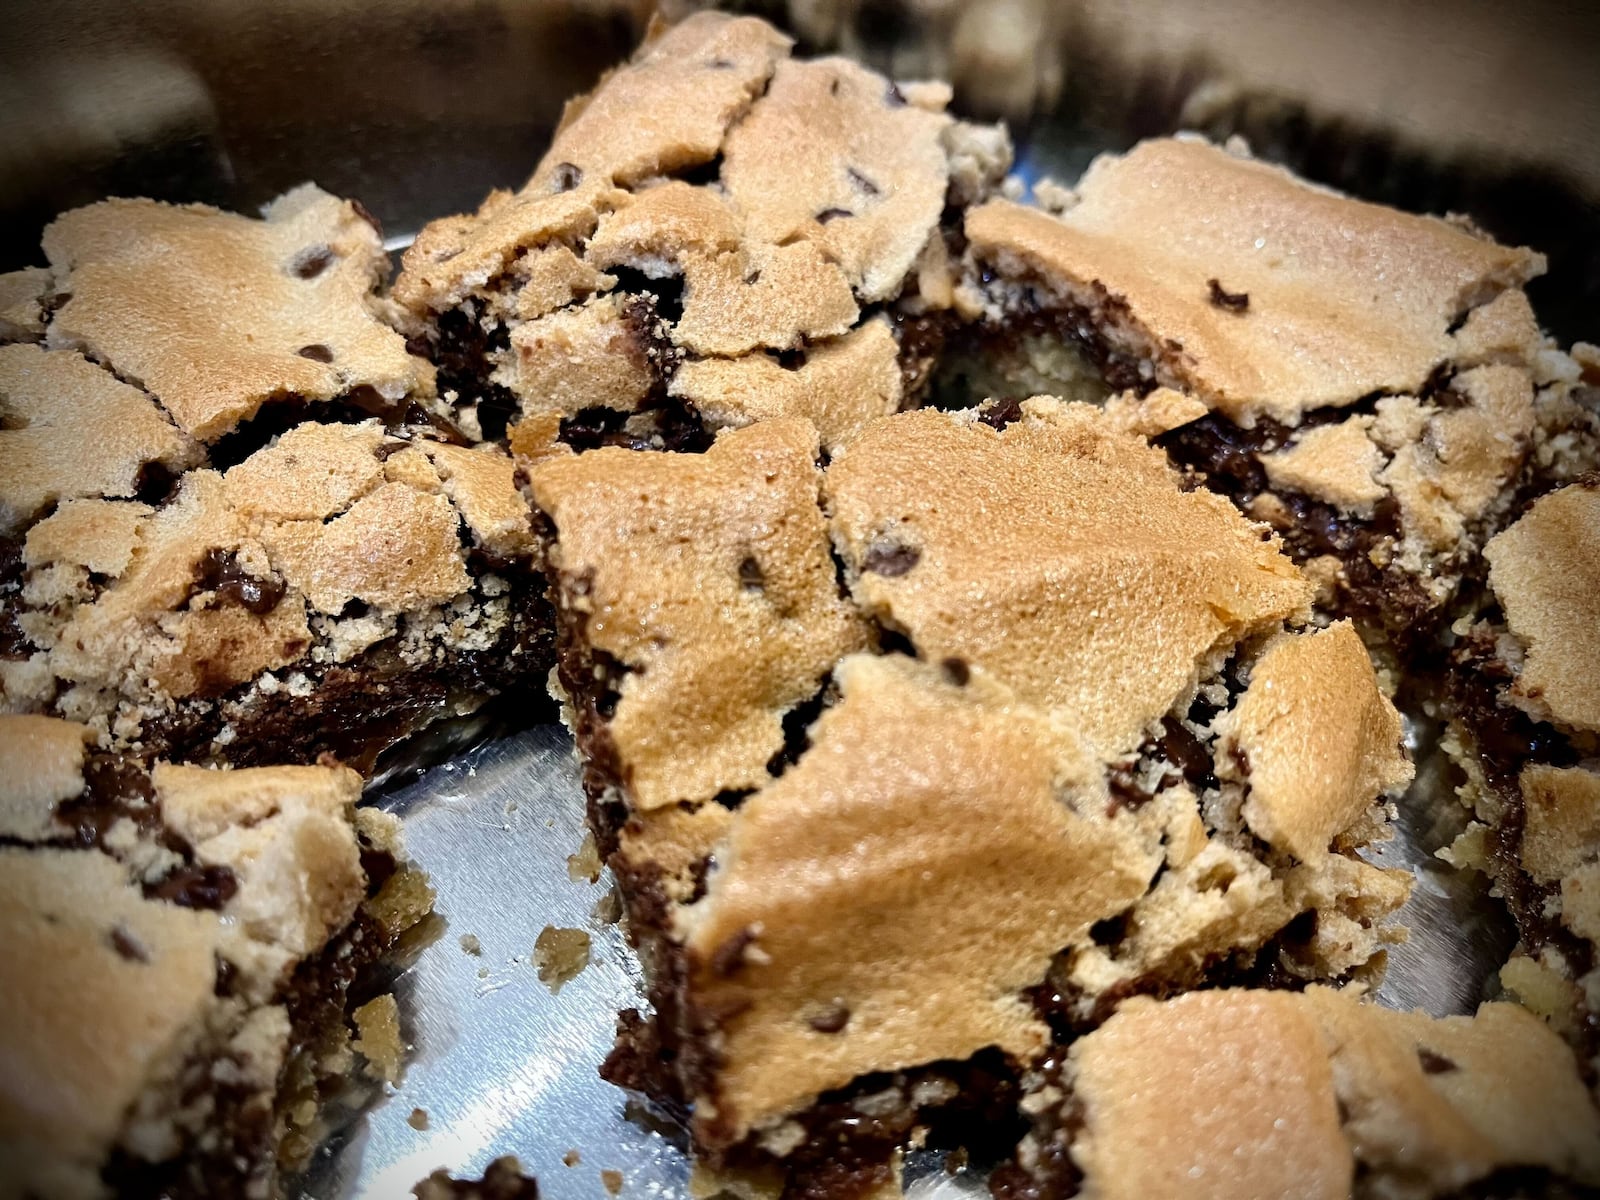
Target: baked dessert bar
[184,949]
[718,234]
[1524,724]
[1000,844]
[334,592]
[1367,381]
[1315,1094]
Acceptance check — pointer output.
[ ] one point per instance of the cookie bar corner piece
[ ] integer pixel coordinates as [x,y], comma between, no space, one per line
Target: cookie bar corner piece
[182,944]
[217,315]
[1248,1093]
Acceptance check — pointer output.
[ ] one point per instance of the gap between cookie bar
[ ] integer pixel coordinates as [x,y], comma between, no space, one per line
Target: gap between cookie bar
[780,241]
[672,568]
[187,950]
[1375,385]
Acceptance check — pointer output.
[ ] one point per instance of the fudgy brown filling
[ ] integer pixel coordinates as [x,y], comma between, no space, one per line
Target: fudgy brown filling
[1505,739]
[503,1180]
[1226,459]
[14,644]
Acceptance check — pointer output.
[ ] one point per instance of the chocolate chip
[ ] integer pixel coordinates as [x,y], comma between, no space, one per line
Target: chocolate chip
[894,97]
[791,360]
[751,575]
[1435,1064]
[729,957]
[566,176]
[721,64]
[997,414]
[890,558]
[125,943]
[219,571]
[832,214]
[312,261]
[862,182]
[316,352]
[195,886]
[754,276]
[1232,301]
[956,671]
[831,1020]
[833,86]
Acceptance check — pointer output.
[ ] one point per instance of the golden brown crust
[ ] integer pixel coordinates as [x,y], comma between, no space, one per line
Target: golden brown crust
[1319,740]
[1545,571]
[1442,1102]
[325,515]
[1059,554]
[1344,298]
[839,388]
[1561,829]
[708,577]
[576,358]
[831,155]
[88,1028]
[22,304]
[41,764]
[1211,1095]
[668,108]
[1335,463]
[919,908]
[70,429]
[211,311]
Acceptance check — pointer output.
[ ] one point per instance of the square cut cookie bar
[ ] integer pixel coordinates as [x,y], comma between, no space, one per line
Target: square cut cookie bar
[862,930]
[1523,705]
[1368,382]
[718,234]
[218,316]
[334,592]
[185,948]
[1251,1095]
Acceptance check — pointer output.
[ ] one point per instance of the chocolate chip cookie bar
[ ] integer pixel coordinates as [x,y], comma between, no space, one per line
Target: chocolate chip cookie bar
[1371,383]
[1524,725]
[1254,1093]
[1158,833]
[184,950]
[719,234]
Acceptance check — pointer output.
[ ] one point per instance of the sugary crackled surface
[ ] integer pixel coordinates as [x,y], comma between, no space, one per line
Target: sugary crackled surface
[830,190]
[1344,298]
[1238,1093]
[216,314]
[840,387]
[1320,740]
[111,992]
[669,107]
[1446,1101]
[324,515]
[708,577]
[68,428]
[1545,571]
[89,1028]
[1212,1095]
[21,304]
[1060,554]
[921,907]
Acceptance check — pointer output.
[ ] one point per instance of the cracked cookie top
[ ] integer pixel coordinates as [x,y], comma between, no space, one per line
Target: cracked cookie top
[216,314]
[1058,553]
[1259,293]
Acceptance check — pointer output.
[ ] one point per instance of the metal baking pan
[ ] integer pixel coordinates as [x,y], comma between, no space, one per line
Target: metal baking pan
[418,109]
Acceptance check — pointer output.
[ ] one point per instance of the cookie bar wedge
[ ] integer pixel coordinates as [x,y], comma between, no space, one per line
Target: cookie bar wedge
[1370,382]
[334,592]
[769,238]
[1524,725]
[184,951]
[888,893]
[1245,1094]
